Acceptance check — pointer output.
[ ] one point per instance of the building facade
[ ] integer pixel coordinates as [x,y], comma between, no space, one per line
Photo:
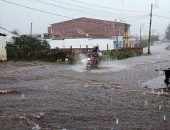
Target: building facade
[5,37]
[89,28]
[3,54]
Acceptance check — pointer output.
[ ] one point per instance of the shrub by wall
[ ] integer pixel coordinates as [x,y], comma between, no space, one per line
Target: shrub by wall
[117,55]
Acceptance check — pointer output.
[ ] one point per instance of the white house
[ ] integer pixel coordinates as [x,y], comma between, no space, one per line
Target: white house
[5,36]
[134,41]
[3,54]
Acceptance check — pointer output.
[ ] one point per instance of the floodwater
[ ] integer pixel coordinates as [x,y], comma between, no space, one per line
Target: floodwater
[121,95]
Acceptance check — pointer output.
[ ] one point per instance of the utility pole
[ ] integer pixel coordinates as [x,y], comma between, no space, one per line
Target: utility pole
[31,30]
[117,33]
[150,26]
[0,20]
[140,33]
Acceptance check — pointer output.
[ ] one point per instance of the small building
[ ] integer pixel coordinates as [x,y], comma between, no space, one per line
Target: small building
[5,37]
[134,41]
[3,54]
[90,28]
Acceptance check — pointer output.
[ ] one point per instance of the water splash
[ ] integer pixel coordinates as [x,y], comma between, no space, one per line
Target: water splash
[78,68]
[46,87]
[162,91]
[110,66]
[146,103]
[164,118]
[117,121]
[105,66]
[22,96]
[158,93]
[81,66]
[160,107]
[36,127]
[82,58]
[153,91]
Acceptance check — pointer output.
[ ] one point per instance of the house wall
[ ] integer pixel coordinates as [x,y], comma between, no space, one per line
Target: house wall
[3,54]
[3,41]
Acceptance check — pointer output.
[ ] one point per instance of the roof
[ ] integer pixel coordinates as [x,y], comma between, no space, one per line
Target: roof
[92,20]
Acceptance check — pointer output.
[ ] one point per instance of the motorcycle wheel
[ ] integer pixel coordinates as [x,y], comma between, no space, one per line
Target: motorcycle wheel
[88,66]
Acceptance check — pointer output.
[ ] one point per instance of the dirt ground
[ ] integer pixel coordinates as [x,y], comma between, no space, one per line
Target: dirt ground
[47,96]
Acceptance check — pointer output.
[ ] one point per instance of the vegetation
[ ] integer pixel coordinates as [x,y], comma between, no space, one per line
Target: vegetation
[143,43]
[29,48]
[154,38]
[168,48]
[15,32]
[118,55]
[72,59]
[26,48]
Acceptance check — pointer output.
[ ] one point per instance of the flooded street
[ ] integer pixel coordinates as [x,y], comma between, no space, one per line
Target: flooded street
[121,95]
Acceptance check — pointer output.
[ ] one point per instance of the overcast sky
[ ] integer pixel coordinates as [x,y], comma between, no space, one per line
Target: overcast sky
[133,12]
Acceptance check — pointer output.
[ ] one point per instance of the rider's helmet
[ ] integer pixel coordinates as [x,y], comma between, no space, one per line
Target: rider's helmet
[96,48]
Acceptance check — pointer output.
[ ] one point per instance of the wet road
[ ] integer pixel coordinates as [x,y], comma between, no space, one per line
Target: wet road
[47,96]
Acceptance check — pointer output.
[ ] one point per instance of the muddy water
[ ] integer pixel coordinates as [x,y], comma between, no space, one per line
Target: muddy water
[47,96]
[54,97]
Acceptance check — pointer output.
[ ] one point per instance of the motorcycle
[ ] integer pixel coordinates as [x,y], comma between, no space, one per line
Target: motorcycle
[92,62]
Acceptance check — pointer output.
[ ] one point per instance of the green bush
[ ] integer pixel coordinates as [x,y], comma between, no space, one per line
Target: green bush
[26,48]
[72,59]
[118,55]
[13,52]
[143,43]
[168,48]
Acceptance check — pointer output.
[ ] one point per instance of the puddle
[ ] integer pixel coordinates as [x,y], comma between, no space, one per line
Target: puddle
[155,83]
[105,66]
[109,66]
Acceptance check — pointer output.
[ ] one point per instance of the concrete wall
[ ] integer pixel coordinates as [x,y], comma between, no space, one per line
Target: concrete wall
[3,41]
[82,42]
[3,54]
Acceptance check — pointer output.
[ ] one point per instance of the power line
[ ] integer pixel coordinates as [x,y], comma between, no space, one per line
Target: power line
[47,12]
[42,11]
[75,10]
[78,7]
[161,16]
[107,7]
[142,16]
[82,7]
[59,6]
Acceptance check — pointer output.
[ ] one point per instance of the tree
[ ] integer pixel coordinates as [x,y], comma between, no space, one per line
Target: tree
[168,32]
[27,47]
[15,32]
[155,38]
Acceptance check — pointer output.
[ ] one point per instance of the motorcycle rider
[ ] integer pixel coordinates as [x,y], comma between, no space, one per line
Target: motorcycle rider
[97,53]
